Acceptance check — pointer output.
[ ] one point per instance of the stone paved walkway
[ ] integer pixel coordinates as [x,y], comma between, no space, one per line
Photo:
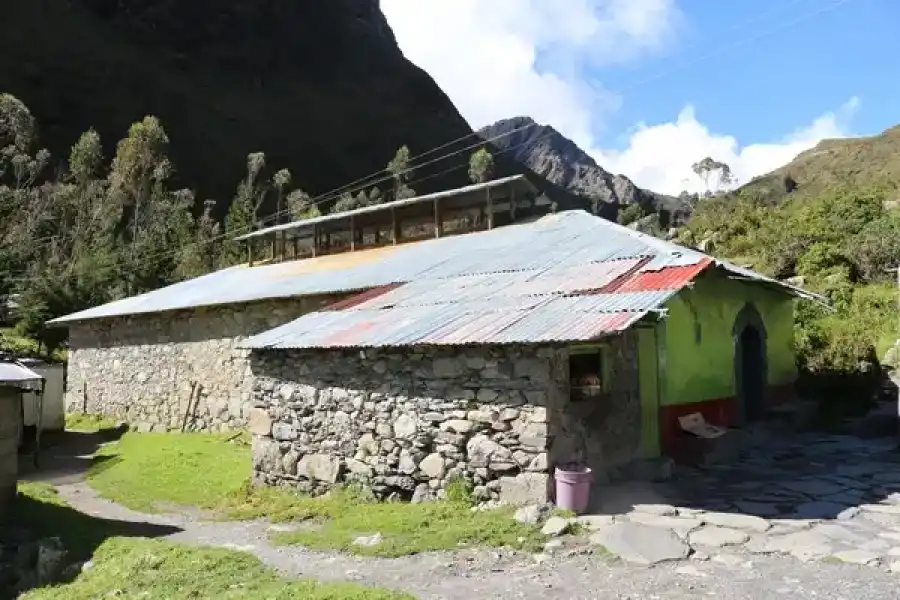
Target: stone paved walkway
[813,497]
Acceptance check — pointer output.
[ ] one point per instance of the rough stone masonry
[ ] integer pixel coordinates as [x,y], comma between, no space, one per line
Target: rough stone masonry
[407,422]
[140,369]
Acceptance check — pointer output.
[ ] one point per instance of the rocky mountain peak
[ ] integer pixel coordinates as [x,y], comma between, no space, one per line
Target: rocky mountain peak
[555,157]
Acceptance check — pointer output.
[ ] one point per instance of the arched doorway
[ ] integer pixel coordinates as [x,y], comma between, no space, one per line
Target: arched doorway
[750,365]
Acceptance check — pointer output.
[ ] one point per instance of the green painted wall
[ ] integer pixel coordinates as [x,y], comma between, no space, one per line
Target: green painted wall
[649,377]
[699,346]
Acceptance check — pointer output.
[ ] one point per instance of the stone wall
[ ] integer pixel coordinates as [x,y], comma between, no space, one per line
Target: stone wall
[141,368]
[408,422]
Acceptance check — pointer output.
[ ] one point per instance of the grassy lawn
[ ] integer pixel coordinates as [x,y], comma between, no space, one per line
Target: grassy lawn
[156,570]
[152,472]
[88,423]
[137,567]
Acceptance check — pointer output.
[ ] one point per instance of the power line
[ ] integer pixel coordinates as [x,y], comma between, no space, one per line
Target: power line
[368,181]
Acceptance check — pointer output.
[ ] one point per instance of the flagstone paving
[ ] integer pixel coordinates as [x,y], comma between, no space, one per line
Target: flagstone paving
[808,496]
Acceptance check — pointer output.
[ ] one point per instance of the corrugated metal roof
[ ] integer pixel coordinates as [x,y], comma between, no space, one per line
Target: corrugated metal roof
[666,278]
[560,319]
[306,223]
[17,375]
[566,253]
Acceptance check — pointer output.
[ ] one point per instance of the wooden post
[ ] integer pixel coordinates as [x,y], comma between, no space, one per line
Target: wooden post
[490,210]
[187,410]
[249,253]
[352,234]
[395,227]
[296,248]
[512,203]
[40,425]
[438,221]
[315,243]
[273,246]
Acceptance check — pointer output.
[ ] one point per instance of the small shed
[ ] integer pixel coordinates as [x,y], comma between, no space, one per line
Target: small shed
[15,381]
[53,414]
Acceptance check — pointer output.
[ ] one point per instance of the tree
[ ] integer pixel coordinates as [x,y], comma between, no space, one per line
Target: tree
[630,214]
[375,196]
[706,168]
[17,125]
[481,166]
[242,215]
[401,172]
[280,181]
[345,202]
[200,250]
[301,206]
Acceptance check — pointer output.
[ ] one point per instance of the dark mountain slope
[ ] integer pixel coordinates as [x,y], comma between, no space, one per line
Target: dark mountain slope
[558,159]
[318,85]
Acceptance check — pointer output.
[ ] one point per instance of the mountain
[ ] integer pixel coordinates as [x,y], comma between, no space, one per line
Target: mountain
[847,163]
[555,157]
[320,85]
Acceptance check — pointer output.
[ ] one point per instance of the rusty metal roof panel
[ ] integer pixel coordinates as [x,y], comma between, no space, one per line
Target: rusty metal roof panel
[561,326]
[667,278]
[555,319]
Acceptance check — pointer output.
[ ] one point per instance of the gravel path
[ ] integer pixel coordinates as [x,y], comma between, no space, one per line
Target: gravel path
[487,574]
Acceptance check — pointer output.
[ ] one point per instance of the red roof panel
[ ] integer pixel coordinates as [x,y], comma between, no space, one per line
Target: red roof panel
[667,278]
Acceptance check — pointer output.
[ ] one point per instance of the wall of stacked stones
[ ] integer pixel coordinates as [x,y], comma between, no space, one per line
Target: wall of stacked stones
[141,369]
[408,422]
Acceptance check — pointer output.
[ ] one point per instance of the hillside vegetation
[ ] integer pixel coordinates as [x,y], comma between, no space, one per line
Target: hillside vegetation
[843,243]
[89,228]
[855,163]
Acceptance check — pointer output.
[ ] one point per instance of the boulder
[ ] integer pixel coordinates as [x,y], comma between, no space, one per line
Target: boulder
[320,467]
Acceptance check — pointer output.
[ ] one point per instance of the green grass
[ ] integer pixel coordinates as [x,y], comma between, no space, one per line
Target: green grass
[412,529]
[137,567]
[155,472]
[151,570]
[88,423]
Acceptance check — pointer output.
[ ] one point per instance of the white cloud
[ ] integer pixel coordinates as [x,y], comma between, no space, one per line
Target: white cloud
[503,58]
[659,157]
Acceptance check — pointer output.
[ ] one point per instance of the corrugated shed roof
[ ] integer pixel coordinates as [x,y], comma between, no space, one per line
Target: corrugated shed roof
[470,189]
[559,319]
[565,253]
[17,375]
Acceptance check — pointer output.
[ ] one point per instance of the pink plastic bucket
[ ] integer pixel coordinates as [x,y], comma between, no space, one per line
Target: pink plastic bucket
[573,487]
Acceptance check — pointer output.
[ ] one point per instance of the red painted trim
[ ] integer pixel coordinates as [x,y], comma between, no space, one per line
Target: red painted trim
[724,412]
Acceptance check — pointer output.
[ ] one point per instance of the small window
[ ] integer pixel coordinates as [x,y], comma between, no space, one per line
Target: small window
[585,374]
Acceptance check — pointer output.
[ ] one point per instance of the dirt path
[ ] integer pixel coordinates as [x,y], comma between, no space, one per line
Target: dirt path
[491,574]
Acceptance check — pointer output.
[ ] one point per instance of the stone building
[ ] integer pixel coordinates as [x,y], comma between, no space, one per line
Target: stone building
[493,356]
[161,370]
[168,359]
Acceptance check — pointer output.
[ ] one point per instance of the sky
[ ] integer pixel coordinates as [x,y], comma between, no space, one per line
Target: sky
[648,87]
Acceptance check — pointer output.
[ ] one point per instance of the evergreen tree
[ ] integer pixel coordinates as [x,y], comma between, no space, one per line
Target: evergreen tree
[481,166]
[401,172]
